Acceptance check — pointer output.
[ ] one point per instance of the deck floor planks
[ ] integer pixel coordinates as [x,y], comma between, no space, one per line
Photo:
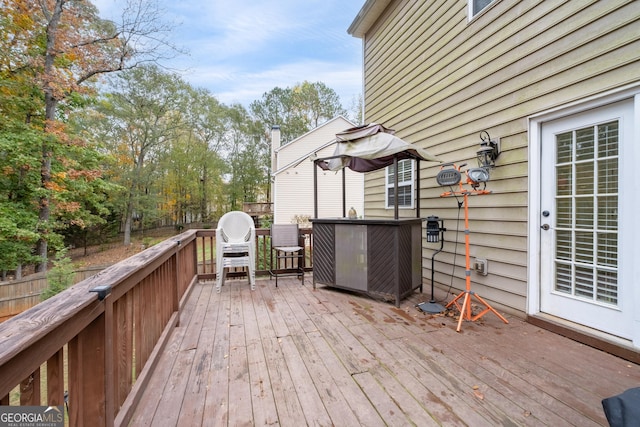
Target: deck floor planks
[308,396]
[534,404]
[239,399]
[355,357]
[359,403]
[329,393]
[447,389]
[288,406]
[487,355]
[154,393]
[192,410]
[381,401]
[606,377]
[216,404]
[301,309]
[290,411]
[357,311]
[276,307]
[583,408]
[320,373]
[415,379]
[476,386]
[328,357]
[175,389]
[263,403]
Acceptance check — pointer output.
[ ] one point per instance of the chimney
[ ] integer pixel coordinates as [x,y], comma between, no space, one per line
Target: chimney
[275,143]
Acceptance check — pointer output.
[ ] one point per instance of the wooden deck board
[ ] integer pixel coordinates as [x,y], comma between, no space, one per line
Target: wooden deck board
[192,409]
[293,356]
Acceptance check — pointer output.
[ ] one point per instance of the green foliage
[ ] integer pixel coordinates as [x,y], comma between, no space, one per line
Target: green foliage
[61,276]
[297,110]
[149,149]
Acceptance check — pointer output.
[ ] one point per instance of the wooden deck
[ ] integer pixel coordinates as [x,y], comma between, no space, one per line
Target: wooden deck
[292,356]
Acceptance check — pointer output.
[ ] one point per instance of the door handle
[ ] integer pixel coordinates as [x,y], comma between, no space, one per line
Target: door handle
[545,226]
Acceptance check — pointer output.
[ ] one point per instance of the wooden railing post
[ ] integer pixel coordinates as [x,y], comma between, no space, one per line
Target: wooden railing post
[30,389]
[55,379]
[87,374]
[109,362]
[175,298]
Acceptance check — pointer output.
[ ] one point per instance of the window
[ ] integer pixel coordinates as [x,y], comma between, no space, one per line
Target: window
[476,6]
[587,212]
[405,184]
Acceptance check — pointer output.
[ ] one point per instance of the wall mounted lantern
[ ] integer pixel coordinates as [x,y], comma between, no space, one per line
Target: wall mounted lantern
[488,152]
[486,155]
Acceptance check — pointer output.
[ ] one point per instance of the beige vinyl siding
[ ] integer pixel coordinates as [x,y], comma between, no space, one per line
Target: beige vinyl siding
[439,80]
[294,184]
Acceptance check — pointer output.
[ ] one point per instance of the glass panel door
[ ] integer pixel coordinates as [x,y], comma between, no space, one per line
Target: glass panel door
[581,265]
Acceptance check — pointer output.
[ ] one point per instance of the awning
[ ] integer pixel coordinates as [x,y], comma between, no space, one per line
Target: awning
[370,147]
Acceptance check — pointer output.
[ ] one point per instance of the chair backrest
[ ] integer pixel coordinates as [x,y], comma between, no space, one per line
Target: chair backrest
[284,235]
[236,226]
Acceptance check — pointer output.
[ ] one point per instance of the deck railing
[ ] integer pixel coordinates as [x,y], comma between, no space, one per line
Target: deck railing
[95,344]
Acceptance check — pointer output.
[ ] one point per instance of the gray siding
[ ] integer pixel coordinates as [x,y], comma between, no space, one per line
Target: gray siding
[439,79]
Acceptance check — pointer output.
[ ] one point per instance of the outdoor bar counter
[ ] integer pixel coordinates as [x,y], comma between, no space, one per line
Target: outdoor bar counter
[380,257]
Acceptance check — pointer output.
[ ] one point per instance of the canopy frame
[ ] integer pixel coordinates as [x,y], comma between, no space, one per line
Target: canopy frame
[396,211]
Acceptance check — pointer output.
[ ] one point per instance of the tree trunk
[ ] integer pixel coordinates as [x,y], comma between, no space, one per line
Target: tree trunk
[51,103]
[44,210]
[128,219]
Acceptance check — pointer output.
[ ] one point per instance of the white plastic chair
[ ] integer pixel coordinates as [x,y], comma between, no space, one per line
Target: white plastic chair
[235,246]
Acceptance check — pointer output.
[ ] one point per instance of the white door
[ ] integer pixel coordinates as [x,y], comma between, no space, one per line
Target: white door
[583,216]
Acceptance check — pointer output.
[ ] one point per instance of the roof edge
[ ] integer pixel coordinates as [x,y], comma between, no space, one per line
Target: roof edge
[302,158]
[339,116]
[368,15]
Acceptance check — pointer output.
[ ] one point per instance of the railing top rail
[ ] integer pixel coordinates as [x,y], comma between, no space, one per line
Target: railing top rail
[36,323]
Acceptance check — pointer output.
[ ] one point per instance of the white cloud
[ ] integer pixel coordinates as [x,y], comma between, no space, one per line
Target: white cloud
[244,86]
[241,49]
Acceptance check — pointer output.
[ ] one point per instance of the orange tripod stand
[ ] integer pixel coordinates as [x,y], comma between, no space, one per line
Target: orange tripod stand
[465,309]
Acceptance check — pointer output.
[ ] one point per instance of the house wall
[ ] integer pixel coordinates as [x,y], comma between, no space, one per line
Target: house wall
[439,80]
[293,193]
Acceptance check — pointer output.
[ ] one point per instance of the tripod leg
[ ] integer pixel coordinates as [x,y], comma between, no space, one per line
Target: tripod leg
[465,304]
[453,301]
[488,308]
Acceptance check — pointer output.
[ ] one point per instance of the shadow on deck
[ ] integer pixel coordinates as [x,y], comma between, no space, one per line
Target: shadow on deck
[293,356]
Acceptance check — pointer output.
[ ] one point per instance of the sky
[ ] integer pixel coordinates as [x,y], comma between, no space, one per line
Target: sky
[240,49]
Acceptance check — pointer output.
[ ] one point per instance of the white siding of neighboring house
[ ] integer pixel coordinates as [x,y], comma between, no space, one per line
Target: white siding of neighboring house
[293,185]
[439,79]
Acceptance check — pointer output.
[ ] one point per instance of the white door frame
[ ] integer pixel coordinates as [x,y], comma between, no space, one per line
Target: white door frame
[534,243]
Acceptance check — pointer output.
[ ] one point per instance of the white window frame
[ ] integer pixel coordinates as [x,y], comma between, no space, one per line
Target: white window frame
[402,183]
[471,10]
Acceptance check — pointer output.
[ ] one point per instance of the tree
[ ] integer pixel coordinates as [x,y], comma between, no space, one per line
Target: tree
[297,110]
[277,107]
[19,182]
[60,277]
[57,48]
[356,112]
[248,158]
[206,119]
[317,102]
[139,119]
